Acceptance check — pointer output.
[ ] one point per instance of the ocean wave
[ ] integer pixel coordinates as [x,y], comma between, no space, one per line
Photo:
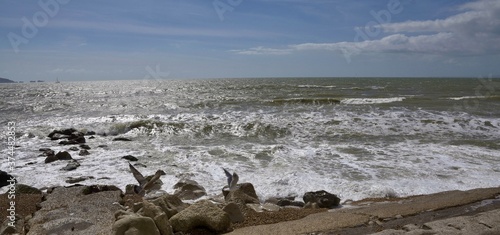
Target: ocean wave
[309,101]
[371,100]
[474,97]
[315,86]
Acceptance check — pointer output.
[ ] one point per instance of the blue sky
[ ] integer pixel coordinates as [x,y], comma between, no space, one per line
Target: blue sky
[171,39]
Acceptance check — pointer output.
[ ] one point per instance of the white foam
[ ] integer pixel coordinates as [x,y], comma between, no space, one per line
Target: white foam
[467,97]
[371,100]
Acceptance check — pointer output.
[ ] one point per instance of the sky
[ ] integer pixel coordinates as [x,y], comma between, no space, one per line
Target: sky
[74,40]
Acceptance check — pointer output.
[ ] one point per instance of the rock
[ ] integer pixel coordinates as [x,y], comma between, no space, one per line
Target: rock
[102,146]
[311,205]
[83,152]
[69,211]
[63,156]
[71,166]
[99,188]
[73,136]
[74,148]
[234,213]
[287,202]
[246,188]
[90,133]
[5,228]
[158,215]
[25,189]
[134,224]
[51,158]
[4,178]
[77,137]
[202,214]
[58,136]
[121,139]
[244,193]
[84,146]
[71,180]
[322,198]
[170,204]
[187,189]
[130,158]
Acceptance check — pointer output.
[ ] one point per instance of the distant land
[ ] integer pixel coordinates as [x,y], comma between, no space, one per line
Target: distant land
[5,80]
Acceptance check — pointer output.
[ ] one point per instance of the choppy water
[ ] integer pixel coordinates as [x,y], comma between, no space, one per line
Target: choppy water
[353,137]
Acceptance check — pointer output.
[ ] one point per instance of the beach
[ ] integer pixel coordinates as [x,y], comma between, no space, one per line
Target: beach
[454,212]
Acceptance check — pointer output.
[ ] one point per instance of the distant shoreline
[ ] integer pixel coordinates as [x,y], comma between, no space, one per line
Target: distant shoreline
[5,80]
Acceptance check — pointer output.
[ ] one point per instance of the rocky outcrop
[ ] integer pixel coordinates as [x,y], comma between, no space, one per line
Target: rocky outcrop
[244,193]
[72,165]
[189,190]
[158,215]
[71,180]
[322,198]
[4,178]
[234,213]
[72,211]
[170,204]
[202,214]
[25,189]
[59,156]
[130,158]
[285,201]
[128,223]
[71,135]
[83,152]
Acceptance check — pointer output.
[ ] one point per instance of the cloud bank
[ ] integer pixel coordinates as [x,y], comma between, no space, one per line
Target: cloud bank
[473,30]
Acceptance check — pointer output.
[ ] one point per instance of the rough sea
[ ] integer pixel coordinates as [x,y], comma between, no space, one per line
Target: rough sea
[355,137]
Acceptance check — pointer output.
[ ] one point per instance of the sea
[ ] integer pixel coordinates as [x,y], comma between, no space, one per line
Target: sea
[354,137]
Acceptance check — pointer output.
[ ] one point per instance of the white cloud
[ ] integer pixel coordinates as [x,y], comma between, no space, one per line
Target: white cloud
[473,31]
[263,51]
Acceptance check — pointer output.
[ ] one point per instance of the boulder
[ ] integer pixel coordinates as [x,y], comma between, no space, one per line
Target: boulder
[63,156]
[4,178]
[121,139]
[234,213]
[83,152]
[68,131]
[243,194]
[322,198]
[128,223]
[286,201]
[84,146]
[170,204]
[71,180]
[130,158]
[158,215]
[70,211]
[51,158]
[72,135]
[74,148]
[187,189]
[202,214]
[25,189]
[71,166]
